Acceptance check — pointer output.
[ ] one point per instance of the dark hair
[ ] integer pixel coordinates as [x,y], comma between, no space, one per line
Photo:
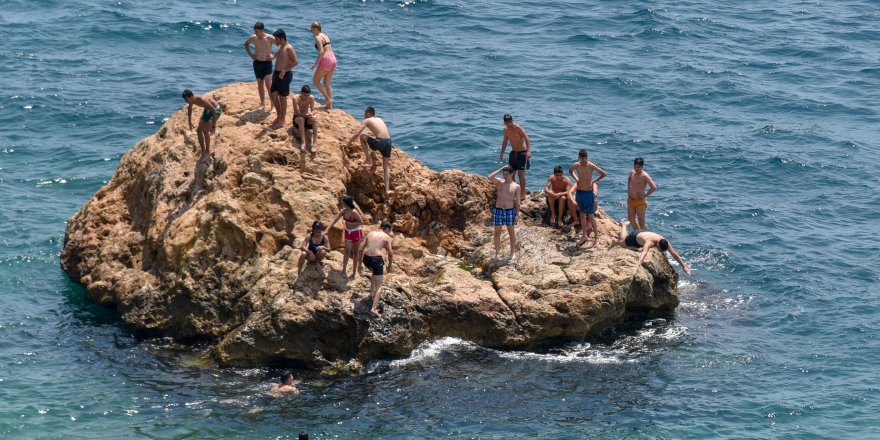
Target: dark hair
[279,33]
[187,93]
[664,245]
[507,169]
[557,169]
[259,26]
[508,118]
[286,374]
[303,436]
[317,225]
[639,161]
[305,89]
[349,201]
[385,224]
[583,153]
[370,110]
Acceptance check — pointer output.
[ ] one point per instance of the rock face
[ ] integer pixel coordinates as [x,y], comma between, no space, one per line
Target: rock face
[209,251]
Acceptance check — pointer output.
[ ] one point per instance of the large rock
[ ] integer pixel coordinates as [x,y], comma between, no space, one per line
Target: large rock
[209,251]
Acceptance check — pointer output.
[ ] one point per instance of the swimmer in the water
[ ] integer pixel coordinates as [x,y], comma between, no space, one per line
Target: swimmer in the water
[286,384]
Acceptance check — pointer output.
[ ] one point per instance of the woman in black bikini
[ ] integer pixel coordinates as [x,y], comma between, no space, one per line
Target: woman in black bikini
[324,65]
[314,247]
[353,234]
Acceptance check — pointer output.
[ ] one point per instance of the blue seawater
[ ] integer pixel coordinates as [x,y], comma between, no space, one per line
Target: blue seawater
[758,120]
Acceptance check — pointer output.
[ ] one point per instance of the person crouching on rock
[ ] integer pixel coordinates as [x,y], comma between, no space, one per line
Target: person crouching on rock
[558,197]
[372,252]
[286,384]
[208,121]
[353,234]
[646,240]
[506,210]
[314,247]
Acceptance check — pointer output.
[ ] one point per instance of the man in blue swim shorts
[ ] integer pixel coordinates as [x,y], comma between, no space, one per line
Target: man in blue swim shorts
[506,209]
[582,172]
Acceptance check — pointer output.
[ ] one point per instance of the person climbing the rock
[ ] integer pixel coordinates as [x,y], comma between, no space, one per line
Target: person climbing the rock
[558,197]
[285,61]
[379,140]
[506,211]
[262,59]
[208,121]
[354,233]
[520,150]
[315,247]
[304,119]
[585,197]
[646,240]
[286,384]
[637,198]
[371,249]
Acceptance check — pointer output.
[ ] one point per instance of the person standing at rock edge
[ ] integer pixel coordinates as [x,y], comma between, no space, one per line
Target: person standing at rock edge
[325,65]
[315,247]
[208,121]
[372,252]
[558,197]
[646,240]
[285,61]
[520,150]
[262,59]
[637,198]
[506,209]
[582,172]
[304,119]
[286,384]
[379,141]
[353,234]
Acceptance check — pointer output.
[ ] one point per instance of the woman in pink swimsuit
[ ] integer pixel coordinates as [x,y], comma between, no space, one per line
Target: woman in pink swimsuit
[353,234]
[324,65]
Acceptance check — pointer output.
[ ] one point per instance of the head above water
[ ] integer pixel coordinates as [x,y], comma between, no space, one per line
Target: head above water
[317,226]
[370,112]
[187,94]
[638,162]
[348,201]
[557,169]
[664,245]
[286,377]
[305,90]
[258,26]
[279,34]
[386,225]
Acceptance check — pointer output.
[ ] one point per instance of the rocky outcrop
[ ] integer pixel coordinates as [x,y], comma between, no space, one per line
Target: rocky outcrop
[208,251]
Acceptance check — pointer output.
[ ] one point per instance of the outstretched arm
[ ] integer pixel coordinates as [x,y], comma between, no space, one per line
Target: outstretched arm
[335,219]
[357,133]
[189,115]
[504,141]
[645,250]
[679,259]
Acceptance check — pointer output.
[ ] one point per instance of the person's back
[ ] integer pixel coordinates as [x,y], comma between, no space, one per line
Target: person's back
[377,126]
[376,241]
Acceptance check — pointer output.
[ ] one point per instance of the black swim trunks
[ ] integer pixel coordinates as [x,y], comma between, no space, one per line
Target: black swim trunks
[518,161]
[630,240]
[381,145]
[262,68]
[376,264]
[308,124]
[282,86]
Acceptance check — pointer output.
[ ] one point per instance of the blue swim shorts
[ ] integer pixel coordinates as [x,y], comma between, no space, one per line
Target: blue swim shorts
[585,201]
[504,217]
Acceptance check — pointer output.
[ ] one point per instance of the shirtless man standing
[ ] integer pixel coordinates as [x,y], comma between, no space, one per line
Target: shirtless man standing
[520,149]
[286,384]
[637,201]
[646,240]
[558,196]
[285,61]
[304,119]
[582,172]
[262,56]
[208,121]
[380,141]
[506,210]
[371,249]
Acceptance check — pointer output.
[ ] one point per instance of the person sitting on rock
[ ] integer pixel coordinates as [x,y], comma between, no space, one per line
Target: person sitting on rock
[558,196]
[286,384]
[208,121]
[304,119]
[646,240]
[353,234]
[506,210]
[379,141]
[315,247]
[371,249]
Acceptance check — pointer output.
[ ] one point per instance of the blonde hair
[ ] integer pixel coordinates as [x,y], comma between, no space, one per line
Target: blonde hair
[316,24]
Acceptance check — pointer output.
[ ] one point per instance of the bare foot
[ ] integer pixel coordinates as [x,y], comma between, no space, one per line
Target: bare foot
[328,104]
[314,148]
[581,242]
[303,147]
[552,222]
[389,192]
[375,313]
[276,125]
[512,256]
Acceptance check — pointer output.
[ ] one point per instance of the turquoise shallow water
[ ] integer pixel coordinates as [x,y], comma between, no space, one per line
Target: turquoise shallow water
[759,122]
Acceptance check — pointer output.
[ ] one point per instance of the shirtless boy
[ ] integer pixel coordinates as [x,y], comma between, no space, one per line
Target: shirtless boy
[558,196]
[637,200]
[285,61]
[520,149]
[208,121]
[582,172]
[379,141]
[507,203]
[286,384]
[262,56]
[304,119]
[372,252]
[646,240]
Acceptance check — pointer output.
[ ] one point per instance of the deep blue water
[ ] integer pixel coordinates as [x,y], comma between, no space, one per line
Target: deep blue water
[759,121]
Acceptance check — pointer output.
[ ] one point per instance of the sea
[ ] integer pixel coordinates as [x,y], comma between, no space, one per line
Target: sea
[758,120]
